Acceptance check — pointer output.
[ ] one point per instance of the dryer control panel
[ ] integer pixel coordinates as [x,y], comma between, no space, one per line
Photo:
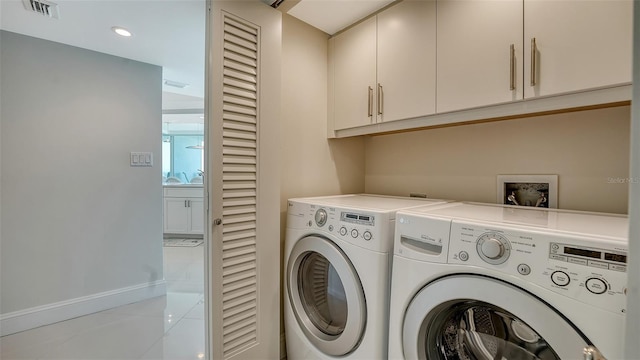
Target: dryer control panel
[584,268]
[368,229]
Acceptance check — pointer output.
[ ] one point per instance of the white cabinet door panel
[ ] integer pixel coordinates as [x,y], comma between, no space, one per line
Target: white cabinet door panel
[354,73]
[580,44]
[473,50]
[196,207]
[406,60]
[176,215]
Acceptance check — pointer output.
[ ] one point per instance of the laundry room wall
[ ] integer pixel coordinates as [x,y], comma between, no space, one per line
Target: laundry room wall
[588,150]
[311,164]
[80,227]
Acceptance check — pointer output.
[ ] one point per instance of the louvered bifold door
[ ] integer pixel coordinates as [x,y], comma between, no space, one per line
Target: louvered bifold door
[235,135]
[239,161]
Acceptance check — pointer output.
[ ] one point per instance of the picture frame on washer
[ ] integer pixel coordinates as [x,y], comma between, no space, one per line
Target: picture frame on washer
[528,190]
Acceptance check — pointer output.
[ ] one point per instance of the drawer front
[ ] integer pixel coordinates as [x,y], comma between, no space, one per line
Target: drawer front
[183,192]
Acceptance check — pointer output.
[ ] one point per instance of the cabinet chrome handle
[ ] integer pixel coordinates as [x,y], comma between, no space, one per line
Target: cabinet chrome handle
[189,203]
[370,109]
[380,100]
[534,49]
[185,203]
[512,68]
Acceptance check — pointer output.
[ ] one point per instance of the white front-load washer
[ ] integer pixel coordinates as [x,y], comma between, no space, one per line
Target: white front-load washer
[337,273]
[479,281]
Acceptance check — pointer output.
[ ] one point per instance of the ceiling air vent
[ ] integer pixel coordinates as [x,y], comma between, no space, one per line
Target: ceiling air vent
[42,7]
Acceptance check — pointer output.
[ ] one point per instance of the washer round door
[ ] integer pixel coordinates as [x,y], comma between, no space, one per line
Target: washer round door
[476,317]
[326,295]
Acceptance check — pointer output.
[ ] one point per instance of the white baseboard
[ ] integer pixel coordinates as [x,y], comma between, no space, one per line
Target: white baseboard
[26,319]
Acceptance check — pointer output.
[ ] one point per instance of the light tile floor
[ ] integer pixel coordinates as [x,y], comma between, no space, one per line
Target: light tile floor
[166,327]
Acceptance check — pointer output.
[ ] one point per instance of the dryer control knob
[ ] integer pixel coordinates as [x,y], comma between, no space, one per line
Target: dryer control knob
[321,217]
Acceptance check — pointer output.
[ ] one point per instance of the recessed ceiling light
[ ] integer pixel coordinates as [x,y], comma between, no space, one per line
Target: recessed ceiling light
[121,31]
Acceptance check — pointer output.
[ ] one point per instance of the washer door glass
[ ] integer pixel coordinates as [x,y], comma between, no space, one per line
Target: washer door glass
[477,330]
[474,317]
[326,295]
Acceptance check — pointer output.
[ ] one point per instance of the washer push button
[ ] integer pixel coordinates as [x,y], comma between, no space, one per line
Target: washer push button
[596,286]
[560,278]
[524,269]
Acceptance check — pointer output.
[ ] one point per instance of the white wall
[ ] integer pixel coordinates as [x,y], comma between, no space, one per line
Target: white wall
[77,220]
[588,150]
[311,165]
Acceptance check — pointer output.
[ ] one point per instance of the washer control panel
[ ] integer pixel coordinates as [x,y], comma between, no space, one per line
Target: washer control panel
[589,270]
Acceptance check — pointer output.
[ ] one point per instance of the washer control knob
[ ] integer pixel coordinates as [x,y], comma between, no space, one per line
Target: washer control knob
[560,278]
[354,233]
[596,286]
[321,217]
[367,235]
[343,231]
[493,248]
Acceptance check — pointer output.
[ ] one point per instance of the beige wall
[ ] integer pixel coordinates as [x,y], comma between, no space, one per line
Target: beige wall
[311,164]
[588,150]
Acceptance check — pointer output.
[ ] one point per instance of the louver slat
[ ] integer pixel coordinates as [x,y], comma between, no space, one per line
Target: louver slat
[239,184]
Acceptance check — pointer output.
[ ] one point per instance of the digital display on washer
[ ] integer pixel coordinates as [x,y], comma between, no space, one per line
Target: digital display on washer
[615,257]
[583,252]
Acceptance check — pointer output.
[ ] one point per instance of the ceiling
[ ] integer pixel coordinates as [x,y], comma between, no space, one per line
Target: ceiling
[332,16]
[167,33]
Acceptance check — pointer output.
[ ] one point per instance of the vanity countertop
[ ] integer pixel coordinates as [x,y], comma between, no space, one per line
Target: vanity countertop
[182,185]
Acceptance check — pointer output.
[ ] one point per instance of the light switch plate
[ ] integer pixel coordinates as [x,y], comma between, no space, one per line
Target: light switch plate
[141,159]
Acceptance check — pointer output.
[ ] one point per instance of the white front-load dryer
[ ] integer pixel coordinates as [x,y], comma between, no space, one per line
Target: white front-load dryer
[479,281]
[337,273]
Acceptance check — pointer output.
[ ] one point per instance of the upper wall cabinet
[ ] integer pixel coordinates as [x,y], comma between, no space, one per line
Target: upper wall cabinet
[354,75]
[479,53]
[383,69]
[575,45]
[495,60]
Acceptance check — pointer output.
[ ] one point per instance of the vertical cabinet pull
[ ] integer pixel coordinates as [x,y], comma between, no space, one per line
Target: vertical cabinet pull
[370,107]
[512,68]
[185,203]
[534,49]
[380,100]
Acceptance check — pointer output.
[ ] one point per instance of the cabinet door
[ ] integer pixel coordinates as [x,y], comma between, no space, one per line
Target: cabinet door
[196,218]
[475,59]
[176,216]
[354,59]
[580,44]
[406,61]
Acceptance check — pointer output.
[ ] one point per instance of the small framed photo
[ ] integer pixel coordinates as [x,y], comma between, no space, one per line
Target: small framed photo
[528,190]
